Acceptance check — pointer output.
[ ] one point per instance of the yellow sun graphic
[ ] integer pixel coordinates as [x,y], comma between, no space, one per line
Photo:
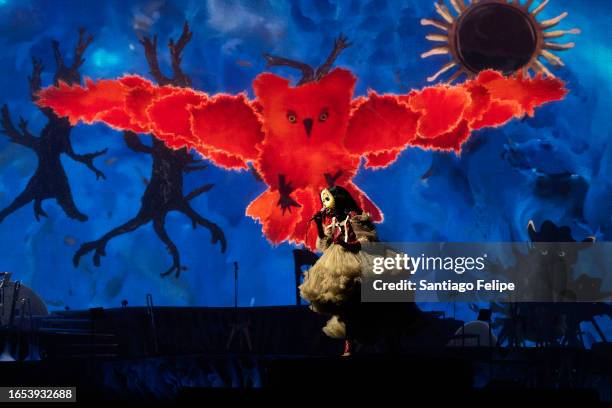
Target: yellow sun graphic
[504,35]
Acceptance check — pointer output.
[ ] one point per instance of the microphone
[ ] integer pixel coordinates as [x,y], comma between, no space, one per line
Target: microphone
[320,212]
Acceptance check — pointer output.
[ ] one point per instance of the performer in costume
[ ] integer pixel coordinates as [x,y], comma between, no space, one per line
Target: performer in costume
[333,284]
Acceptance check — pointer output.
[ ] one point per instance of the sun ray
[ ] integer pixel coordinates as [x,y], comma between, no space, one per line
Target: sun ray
[553,21]
[435,51]
[561,33]
[529,71]
[537,10]
[455,76]
[525,71]
[552,58]
[458,5]
[434,23]
[528,4]
[558,47]
[441,71]
[444,12]
[538,66]
[437,37]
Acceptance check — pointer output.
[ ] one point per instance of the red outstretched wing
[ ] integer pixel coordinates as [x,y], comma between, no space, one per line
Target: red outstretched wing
[224,128]
[380,127]
[442,117]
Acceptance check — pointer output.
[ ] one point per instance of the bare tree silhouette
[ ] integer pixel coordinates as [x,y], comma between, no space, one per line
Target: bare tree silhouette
[50,179]
[164,192]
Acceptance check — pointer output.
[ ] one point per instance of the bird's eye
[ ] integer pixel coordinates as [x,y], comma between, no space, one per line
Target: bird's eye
[323,116]
[291,117]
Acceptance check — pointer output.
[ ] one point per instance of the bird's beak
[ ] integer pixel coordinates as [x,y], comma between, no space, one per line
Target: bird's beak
[308,126]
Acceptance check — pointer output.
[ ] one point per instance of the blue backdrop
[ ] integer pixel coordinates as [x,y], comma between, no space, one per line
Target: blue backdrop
[504,178]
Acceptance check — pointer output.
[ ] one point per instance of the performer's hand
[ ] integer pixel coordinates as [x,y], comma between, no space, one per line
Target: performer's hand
[318,218]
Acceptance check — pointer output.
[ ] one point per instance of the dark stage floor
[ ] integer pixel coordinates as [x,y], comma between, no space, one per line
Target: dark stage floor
[172,354]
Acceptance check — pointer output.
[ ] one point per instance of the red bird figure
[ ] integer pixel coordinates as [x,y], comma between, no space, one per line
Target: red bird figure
[303,138]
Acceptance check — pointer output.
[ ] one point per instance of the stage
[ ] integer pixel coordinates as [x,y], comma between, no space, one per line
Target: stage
[189,353]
